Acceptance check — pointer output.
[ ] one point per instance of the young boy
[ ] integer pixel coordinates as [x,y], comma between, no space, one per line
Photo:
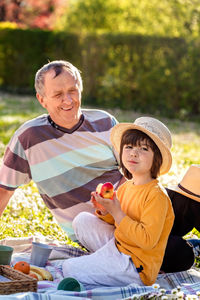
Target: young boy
[129,236]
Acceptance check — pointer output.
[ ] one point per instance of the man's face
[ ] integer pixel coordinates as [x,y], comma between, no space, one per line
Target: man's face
[62,98]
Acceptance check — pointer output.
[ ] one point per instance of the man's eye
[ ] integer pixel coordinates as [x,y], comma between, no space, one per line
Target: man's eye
[72,90]
[57,95]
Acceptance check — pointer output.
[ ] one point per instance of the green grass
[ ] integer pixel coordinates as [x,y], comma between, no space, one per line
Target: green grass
[26,213]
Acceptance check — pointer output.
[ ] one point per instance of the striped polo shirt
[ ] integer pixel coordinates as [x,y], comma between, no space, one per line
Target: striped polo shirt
[66,166]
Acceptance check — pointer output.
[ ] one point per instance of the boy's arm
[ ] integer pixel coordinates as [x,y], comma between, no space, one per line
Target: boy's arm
[122,180]
[146,232]
[5,196]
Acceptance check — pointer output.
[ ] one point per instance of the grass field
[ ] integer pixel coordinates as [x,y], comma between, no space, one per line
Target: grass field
[27,215]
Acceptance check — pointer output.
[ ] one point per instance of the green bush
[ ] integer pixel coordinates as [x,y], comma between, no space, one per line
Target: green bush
[23,52]
[145,73]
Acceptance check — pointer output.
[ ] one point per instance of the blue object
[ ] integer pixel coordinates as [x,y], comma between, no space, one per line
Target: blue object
[194,242]
[196,246]
[40,254]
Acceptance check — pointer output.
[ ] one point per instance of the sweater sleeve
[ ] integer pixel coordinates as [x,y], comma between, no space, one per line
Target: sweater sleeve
[15,169]
[107,218]
[146,231]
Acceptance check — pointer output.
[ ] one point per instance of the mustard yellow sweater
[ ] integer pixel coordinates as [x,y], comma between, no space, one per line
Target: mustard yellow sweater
[144,231]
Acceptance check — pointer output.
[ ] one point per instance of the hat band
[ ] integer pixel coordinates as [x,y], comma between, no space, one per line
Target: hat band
[187,191]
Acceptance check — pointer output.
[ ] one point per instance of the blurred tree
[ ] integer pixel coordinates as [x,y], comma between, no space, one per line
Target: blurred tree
[91,16]
[9,10]
[32,13]
[155,17]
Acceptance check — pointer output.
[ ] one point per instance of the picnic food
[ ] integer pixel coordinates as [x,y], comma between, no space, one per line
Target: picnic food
[33,275]
[41,273]
[105,190]
[38,276]
[33,271]
[22,266]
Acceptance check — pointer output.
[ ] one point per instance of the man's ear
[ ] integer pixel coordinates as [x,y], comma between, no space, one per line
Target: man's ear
[41,100]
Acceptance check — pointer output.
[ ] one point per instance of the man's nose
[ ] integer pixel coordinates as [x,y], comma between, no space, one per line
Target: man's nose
[67,98]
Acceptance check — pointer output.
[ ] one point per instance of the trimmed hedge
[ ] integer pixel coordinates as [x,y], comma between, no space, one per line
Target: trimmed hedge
[148,74]
[23,52]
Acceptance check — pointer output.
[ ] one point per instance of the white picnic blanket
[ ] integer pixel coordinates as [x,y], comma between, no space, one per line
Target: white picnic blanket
[189,281]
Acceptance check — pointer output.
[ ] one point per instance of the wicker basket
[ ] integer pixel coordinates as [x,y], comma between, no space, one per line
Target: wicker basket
[19,282]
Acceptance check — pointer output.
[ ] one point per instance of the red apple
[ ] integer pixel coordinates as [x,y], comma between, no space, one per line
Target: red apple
[105,190]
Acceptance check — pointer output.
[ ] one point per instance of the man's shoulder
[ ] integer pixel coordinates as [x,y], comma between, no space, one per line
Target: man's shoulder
[97,114]
[35,122]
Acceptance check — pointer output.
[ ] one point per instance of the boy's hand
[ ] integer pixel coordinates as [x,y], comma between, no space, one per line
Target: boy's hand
[97,205]
[112,206]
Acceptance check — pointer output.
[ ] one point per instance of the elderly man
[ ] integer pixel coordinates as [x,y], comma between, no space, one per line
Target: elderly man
[67,152]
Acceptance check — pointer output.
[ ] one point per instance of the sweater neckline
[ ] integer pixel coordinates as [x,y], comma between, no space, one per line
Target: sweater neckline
[141,186]
[63,129]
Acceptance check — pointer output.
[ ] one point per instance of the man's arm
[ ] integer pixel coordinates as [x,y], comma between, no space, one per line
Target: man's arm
[5,196]
[122,180]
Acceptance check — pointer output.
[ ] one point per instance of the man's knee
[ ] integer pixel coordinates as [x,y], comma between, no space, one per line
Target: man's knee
[67,268]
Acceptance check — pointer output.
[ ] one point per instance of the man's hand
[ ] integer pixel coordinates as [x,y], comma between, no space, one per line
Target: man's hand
[5,196]
[111,206]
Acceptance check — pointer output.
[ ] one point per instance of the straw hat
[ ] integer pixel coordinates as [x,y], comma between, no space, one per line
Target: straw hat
[190,184]
[155,129]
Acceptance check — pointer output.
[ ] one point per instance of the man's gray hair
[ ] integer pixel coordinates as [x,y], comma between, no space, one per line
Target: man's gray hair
[57,66]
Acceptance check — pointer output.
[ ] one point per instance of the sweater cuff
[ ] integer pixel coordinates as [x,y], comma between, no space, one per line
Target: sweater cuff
[107,218]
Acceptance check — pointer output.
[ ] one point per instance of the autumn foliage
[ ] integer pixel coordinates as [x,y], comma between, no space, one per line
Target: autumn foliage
[31,13]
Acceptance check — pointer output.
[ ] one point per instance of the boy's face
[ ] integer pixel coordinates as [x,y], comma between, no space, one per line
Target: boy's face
[138,160]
